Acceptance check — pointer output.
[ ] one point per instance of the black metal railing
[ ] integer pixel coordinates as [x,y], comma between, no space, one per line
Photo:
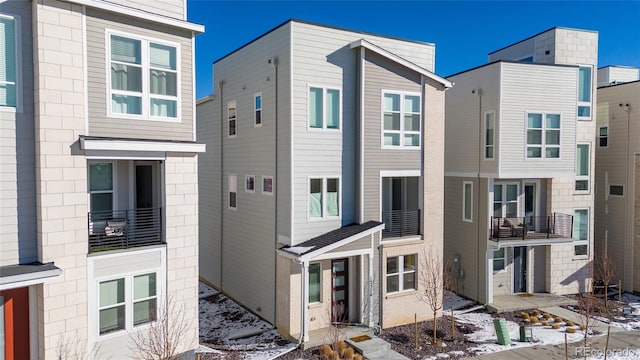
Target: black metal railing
[124,229]
[557,225]
[400,223]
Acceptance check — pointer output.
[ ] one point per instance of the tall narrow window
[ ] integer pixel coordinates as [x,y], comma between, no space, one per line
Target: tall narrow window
[112,306]
[144,299]
[401,273]
[249,183]
[126,75]
[324,108]
[315,198]
[543,135]
[584,92]
[582,167]
[101,190]
[498,260]
[401,120]
[467,201]
[8,61]
[489,124]
[314,283]
[231,118]
[233,191]
[163,81]
[603,136]
[257,109]
[581,232]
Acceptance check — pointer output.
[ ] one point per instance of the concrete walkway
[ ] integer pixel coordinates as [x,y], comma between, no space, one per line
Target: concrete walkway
[579,319]
[620,343]
[374,348]
[504,303]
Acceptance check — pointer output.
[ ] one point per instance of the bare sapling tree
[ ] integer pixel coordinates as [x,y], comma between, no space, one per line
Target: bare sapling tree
[73,348]
[430,275]
[587,305]
[605,273]
[163,337]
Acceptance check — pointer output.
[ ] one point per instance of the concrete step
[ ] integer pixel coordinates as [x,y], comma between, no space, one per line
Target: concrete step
[371,346]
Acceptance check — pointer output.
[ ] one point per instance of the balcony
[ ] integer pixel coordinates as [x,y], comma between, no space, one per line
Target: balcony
[124,229]
[399,223]
[556,226]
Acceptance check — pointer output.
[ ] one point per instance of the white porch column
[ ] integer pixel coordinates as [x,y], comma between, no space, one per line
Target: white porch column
[305,300]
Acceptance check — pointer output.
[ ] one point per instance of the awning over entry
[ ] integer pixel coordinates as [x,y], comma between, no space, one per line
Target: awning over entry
[21,275]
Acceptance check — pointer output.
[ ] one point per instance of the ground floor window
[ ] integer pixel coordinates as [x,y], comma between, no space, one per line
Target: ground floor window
[127,302]
[314,282]
[401,273]
[498,260]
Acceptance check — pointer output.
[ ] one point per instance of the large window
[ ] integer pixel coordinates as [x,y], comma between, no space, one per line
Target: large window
[467,201]
[115,302]
[233,191]
[257,110]
[324,199]
[603,136]
[584,92]
[315,283]
[581,232]
[401,120]
[489,136]
[232,118]
[543,135]
[8,61]
[324,108]
[505,200]
[401,273]
[144,78]
[582,167]
[101,190]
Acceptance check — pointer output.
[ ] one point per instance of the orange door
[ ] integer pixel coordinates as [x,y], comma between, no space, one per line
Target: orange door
[16,323]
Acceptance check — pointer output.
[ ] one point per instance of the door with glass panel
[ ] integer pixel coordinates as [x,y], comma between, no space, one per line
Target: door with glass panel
[505,209]
[339,290]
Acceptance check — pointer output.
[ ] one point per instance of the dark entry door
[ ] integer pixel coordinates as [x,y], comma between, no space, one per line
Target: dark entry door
[145,218]
[339,290]
[520,269]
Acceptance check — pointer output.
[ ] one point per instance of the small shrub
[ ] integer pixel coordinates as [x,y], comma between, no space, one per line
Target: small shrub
[524,315]
[570,330]
[534,320]
[341,346]
[535,312]
[348,353]
[558,319]
[544,323]
[325,351]
[357,357]
[555,326]
[582,327]
[570,323]
[546,316]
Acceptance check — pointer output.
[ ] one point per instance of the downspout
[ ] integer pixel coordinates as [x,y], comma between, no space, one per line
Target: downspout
[627,108]
[479,235]
[380,251]
[274,61]
[221,85]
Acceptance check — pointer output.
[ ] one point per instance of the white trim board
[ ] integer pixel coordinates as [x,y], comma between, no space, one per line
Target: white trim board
[140,145]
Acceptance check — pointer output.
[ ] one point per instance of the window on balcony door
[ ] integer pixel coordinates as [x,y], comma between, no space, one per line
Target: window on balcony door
[127,302]
[499,259]
[232,119]
[584,92]
[324,108]
[101,199]
[401,117]
[467,201]
[250,183]
[603,136]
[401,206]
[143,78]
[257,110]
[401,273]
[489,135]
[582,168]
[505,200]
[233,191]
[9,61]
[315,276]
[543,136]
[581,232]
[324,199]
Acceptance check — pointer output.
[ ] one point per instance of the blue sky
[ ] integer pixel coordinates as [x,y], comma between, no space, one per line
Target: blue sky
[464,31]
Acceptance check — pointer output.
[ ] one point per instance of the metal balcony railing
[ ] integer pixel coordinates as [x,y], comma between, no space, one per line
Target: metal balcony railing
[124,229]
[400,223]
[557,225]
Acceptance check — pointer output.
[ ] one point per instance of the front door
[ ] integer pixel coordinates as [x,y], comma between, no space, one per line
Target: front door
[339,290]
[520,269]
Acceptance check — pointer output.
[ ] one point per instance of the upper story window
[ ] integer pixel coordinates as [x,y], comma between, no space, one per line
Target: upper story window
[267,184]
[324,199]
[584,92]
[8,61]
[144,78]
[257,109]
[543,136]
[603,136]
[489,135]
[101,190]
[250,183]
[401,120]
[467,201]
[582,167]
[324,108]
[232,118]
[233,192]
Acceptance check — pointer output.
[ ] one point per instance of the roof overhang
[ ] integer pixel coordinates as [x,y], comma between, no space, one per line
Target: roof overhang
[404,62]
[93,143]
[22,275]
[122,9]
[528,242]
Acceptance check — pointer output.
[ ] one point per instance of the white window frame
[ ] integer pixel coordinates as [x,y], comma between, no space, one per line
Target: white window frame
[257,110]
[145,78]
[232,116]
[265,177]
[319,282]
[401,273]
[504,202]
[587,177]
[581,242]
[402,131]
[488,146]
[324,109]
[616,195]
[543,146]
[324,215]
[232,179]
[248,178]
[605,137]
[586,103]
[464,201]
[114,183]
[18,61]
[503,259]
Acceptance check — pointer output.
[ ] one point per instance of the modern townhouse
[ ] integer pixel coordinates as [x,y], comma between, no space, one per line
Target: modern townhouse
[322,188]
[617,198]
[99,179]
[518,168]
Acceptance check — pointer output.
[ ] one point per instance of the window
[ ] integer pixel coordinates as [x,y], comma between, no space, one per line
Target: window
[498,260]
[467,201]
[617,190]
[489,137]
[257,110]
[582,167]
[231,118]
[581,232]
[505,200]
[267,184]
[584,92]
[115,301]
[324,197]
[543,135]
[233,191]
[101,190]
[401,120]
[249,183]
[143,77]
[603,136]
[314,283]
[324,108]
[401,273]
[9,32]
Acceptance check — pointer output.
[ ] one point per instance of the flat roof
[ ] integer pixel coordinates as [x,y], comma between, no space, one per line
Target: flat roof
[542,32]
[511,62]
